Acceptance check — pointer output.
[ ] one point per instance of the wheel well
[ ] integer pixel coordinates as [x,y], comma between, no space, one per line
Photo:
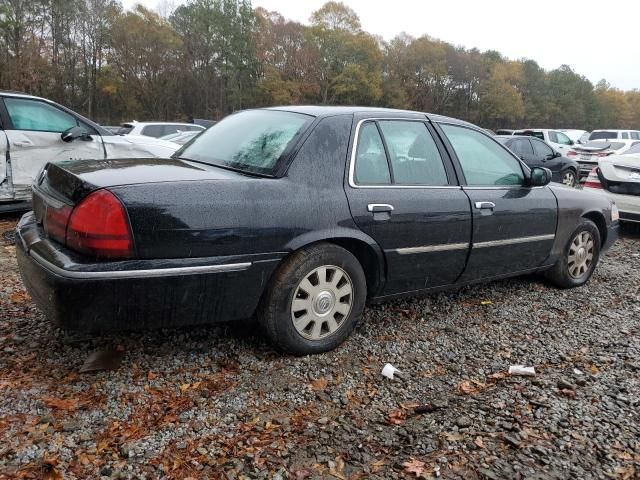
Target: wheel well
[598,219]
[367,257]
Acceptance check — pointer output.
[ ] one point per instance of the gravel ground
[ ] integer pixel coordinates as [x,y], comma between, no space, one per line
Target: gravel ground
[219,403]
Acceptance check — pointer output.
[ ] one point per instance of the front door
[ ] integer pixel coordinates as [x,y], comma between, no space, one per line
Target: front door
[402,193]
[546,156]
[34,139]
[513,225]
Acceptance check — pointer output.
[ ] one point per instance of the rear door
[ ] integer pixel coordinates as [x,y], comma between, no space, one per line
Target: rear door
[522,147]
[513,225]
[33,134]
[403,192]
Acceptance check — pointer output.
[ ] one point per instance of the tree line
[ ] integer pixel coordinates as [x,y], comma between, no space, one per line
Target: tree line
[209,58]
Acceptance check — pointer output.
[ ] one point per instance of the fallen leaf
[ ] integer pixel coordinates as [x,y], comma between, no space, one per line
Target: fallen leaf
[486,302]
[68,404]
[453,436]
[184,387]
[397,417]
[319,384]
[568,393]
[102,360]
[414,466]
[479,443]
[470,387]
[152,376]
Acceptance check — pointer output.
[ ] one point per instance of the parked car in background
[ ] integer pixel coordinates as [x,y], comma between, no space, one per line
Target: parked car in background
[558,140]
[537,153]
[588,154]
[35,131]
[504,131]
[180,138]
[618,177]
[577,136]
[157,129]
[257,217]
[615,135]
[112,128]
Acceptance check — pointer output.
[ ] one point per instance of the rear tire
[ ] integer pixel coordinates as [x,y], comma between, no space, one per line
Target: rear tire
[579,257]
[569,178]
[314,300]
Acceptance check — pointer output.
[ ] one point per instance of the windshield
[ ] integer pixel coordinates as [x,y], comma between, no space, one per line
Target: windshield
[251,141]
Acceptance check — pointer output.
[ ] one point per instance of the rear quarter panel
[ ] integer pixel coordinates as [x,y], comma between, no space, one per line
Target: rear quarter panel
[248,215]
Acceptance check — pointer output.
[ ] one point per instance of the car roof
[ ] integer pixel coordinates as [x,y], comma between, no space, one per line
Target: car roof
[328,111]
[135,122]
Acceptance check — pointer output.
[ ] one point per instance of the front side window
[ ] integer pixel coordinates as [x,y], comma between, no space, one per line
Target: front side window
[553,137]
[37,116]
[371,166]
[484,161]
[542,149]
[522,147]
[562,139]
[415,159]
[252,141]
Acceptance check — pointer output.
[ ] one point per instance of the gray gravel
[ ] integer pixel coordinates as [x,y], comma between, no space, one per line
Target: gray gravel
[219,403]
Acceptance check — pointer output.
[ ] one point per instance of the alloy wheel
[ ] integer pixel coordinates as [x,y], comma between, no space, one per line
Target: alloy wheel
[322,301]
[580,254]
[569,178]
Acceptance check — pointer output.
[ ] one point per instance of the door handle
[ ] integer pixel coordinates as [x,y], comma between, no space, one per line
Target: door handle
[379,207]
[22,143]
[485,205]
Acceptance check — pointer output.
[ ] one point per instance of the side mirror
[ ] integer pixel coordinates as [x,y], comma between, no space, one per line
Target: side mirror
[557,154]
[540,176]
[74,133]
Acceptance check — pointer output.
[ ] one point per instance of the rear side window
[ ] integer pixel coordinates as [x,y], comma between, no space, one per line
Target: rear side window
[625,136]
[483,161]
[371,161]
[415,159]
[522,147]
[37,116]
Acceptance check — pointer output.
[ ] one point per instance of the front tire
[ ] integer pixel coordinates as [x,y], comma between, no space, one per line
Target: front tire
[579,257]
[314,300]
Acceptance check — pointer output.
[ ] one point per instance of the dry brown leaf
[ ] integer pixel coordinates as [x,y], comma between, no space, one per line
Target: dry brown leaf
[479,443]
[68,404]
[319,384]
[184,387]
[470,387]
[415,467]
[397,417]
[453,436]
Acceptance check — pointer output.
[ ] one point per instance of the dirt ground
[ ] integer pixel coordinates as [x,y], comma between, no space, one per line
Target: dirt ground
[219,403]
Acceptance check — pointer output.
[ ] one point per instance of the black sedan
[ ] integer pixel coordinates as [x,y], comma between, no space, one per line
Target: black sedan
[299,216]
[537,153]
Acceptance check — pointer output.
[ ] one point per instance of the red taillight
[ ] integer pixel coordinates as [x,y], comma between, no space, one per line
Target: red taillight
[593,181]
[572,153]
[99,226]
[55,222]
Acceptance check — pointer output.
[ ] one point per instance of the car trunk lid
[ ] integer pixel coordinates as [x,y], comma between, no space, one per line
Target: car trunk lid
[621,174]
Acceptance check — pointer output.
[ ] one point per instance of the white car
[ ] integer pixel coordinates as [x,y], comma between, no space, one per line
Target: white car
[558,140]
[35,131]
[587,155]
[577,136]
[157,129]
[180,138]
[615,135]
[618,177]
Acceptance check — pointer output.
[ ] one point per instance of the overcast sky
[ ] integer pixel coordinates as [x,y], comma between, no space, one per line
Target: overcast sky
[598,40]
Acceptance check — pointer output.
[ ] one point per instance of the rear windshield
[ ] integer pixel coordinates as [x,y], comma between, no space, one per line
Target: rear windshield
[602,135]
[529,133]
[251,141]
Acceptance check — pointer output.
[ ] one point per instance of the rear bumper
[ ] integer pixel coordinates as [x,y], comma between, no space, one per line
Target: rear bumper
[137,295]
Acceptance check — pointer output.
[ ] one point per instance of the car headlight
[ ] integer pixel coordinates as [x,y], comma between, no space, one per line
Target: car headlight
[615,214]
